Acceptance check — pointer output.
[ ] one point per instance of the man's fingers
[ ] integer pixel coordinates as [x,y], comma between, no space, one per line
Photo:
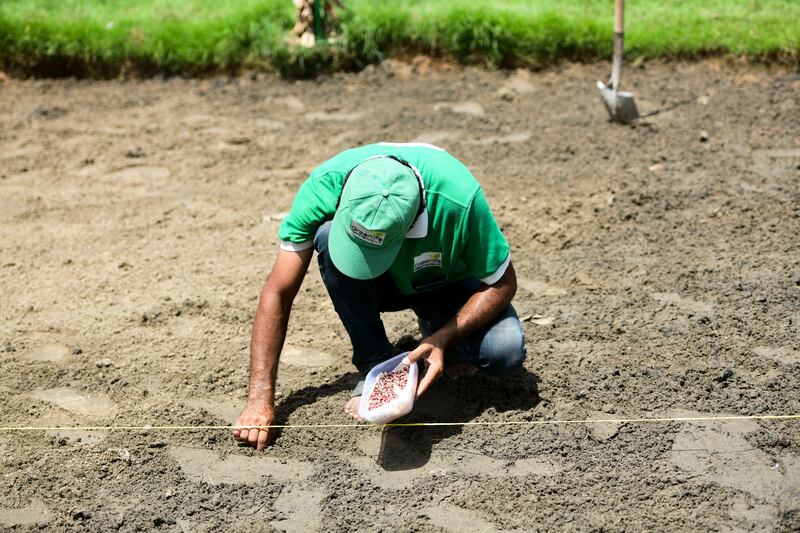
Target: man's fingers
[243,435]
[430,376]
[263,435]
[236,433]
[252,436]
[414,356]
[423,385]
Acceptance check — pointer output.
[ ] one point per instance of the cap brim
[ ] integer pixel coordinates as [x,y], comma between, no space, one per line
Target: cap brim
[356,261]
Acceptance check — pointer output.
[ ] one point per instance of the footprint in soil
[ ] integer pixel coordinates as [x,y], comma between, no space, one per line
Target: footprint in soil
[393,460]
[206,466]
[456,519]
[782,354]
[519,83]
[93,406]
[49,353]
[68,436]
[35,512]
[540,288]
[269,125]
[718,453]
[18,150]
[435,137]
[774,164]
[464,108]
[289,103]
[199,120]
[301,509]
[692,307]
[223,408]
[326,116]
[305,357]
[138,175]
[511,138]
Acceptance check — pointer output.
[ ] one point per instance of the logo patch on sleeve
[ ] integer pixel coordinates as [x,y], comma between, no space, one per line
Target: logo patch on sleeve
[428,259]
[371,236]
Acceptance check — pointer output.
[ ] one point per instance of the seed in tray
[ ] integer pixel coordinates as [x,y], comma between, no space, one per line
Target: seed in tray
[384,389]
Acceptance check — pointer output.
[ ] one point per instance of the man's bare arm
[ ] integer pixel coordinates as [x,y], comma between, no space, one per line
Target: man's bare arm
[269,332]
[483,307]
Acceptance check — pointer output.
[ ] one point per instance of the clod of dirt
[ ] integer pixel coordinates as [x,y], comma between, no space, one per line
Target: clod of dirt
[135,153]
[539,320]
[703,136]
[81,514]
[725,376]
[603,431]
[161,521]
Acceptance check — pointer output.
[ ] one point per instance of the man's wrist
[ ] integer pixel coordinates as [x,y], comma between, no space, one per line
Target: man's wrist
[265,401]
[444,337]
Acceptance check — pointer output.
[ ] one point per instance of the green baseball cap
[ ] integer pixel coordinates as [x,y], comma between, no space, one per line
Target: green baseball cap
[379,203]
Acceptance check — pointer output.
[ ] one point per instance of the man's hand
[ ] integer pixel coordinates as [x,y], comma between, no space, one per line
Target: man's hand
[256,415]
[431,349]
[480,309]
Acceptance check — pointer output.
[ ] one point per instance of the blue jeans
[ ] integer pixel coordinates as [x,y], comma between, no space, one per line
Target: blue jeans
[498,349]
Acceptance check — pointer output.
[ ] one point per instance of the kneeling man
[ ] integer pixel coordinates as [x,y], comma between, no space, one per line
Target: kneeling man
[395,226]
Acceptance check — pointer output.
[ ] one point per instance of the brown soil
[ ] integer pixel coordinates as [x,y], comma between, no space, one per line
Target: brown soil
[659,266]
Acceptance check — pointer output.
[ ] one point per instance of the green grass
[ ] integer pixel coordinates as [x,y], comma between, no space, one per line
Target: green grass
[102,37]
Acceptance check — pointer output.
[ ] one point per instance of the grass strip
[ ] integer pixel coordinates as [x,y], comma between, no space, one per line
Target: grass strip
[106,37]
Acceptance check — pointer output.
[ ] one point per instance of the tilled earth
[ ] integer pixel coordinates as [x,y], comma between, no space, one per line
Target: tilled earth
[659,273]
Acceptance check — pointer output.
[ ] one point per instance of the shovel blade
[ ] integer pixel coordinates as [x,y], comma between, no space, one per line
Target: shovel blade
[621,105]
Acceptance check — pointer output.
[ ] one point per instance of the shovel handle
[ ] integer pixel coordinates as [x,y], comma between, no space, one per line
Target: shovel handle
[619,40]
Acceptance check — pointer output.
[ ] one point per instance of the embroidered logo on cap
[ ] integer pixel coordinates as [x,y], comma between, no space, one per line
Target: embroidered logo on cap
[428,259]
[371,236]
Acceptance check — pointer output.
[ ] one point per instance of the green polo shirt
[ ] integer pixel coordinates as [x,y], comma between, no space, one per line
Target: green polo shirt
[461,240]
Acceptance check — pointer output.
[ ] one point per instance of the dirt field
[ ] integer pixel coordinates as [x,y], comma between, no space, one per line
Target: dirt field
[659,275]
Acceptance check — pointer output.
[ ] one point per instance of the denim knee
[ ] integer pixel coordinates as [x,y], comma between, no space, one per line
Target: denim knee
[321,237]
[503,347]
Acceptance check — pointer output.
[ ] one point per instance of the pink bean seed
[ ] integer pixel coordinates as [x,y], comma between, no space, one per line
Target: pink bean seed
[383,391]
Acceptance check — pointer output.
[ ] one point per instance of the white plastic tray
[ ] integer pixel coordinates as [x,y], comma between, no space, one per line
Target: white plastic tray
[398,407]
